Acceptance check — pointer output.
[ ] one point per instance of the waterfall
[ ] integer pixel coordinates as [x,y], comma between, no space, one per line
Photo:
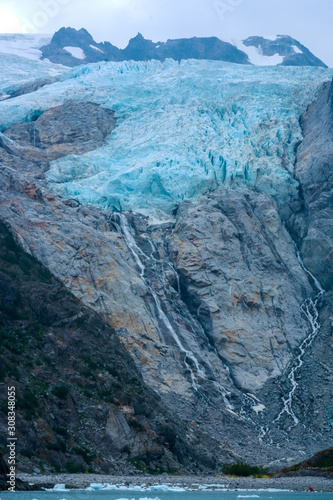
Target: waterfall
[191,362]
[310,310]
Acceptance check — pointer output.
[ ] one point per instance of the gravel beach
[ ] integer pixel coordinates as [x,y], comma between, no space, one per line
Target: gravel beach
[193,482]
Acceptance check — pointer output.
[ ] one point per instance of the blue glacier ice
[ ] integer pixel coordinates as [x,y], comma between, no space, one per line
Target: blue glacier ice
[20,64]
[182,129]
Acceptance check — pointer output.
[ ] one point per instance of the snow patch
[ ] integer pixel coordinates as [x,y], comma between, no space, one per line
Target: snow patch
[258,408]
[256,56]
[297,50]
[76,52]
[96,48]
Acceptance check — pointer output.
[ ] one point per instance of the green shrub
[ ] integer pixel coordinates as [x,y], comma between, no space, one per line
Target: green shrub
[61,391]
[241,469]
[59,445]
[136,425]
[61,430]
[328,462]
[28,453]
[2,370]
[112,371]
[73,468]
[29,403]
[87,455]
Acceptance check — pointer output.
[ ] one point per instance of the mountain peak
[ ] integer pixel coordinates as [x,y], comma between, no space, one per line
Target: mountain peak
[270,51]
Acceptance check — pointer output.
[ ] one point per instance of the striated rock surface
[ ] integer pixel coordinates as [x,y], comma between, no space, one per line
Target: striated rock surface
[236,261]
[81,403]
[314,169]
[60,131]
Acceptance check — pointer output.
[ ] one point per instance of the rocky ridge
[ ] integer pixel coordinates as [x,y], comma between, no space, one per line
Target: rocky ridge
[72,47]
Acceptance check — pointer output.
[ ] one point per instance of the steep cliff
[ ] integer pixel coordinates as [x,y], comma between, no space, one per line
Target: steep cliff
[81,403]
[209,296]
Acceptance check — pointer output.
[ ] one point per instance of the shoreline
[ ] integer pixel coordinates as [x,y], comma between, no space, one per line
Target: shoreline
[200,483]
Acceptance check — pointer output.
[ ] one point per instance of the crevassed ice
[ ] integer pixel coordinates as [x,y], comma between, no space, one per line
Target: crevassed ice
[182,130]
[17,71]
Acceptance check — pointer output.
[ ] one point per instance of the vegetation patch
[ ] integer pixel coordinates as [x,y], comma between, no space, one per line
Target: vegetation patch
[61,391]
[242,469]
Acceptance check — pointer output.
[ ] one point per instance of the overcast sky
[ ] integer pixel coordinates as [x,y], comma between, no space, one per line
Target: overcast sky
[309,21]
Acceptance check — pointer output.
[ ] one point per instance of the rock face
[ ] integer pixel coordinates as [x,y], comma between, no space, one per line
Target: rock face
[60,50]
[314,169]
[19,484]
[321,464]
[81,402]
[56,132]
[215,310]
[235,261]
[69,37]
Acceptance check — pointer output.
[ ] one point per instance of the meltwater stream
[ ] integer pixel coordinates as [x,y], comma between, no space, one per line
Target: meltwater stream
[310,310]
[138,254]
[192,364]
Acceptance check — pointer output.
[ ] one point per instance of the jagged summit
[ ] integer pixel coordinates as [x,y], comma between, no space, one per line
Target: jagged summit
[72,47]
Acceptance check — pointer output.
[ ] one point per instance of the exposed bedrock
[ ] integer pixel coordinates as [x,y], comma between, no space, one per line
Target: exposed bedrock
[314,170]
[72,128]
[242,281]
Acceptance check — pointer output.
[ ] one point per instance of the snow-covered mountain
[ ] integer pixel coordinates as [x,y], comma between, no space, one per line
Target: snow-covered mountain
[280,50]
[72,47]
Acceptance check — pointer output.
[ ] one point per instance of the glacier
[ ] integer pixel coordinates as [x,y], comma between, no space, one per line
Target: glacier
[183,129]
[20,63]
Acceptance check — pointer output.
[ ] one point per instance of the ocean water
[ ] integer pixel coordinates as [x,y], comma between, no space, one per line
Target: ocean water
[174,495]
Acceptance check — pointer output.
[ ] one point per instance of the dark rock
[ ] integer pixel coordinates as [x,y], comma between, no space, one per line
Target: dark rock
[73,128]
[141,49]
[138,49]
[19,484]
[69,37]
[320,465]
[314,170]
[32,87]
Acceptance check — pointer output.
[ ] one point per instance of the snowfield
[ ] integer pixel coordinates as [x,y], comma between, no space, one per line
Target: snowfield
[20,62]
